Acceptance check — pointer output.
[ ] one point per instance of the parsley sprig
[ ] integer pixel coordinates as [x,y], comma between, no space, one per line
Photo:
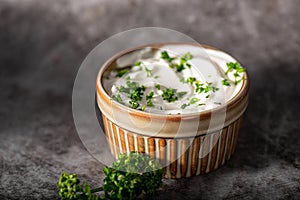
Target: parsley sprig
[128,178]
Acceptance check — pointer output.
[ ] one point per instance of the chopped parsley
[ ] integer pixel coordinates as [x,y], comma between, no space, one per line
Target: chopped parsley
[149,98]
[169,94]
[138,63]
[122,72]
[157,86]
[164,55]
[237,70]
[117,98]
[207,87]
[123,89]
[194,100]
[134,104]
[134,90]
[136,96]
[131,85]
[182,80]
[148,71]
[225,82]
[191,80]
[181,94]
[143,107]
[177,66]
[183,106]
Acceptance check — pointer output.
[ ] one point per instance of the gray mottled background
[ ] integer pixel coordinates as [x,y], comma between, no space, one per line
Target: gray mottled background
[43,42]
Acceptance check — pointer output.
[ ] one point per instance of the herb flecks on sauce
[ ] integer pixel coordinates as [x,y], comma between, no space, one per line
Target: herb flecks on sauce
[137,93]
[183,64]
[237,70]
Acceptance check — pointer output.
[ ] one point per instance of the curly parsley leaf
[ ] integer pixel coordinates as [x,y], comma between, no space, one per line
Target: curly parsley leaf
[126,179]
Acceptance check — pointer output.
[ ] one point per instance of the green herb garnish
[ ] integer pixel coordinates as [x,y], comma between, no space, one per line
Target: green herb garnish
[157,86]
[225,82]
[178,67]
[182,63]
[182,80]
[149,72]
[194,100]
[143,107]
[134,104]
[138,63]
[128,178]
[141,64]
[183,106]
[122,72]
[188,56]
[118,98]
[134,90]
[123,89]
[191,80]
[205,87]
[181,94]
[131,85]
[164,55]
[237,70]
[136,96]
[149,99]
[169,94]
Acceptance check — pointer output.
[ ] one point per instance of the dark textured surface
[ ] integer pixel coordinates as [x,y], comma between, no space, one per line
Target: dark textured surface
[44,42]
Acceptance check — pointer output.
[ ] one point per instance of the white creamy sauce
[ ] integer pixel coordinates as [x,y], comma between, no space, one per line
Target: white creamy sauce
[207,66]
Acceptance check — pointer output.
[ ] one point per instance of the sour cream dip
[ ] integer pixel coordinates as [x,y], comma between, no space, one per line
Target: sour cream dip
[174,79]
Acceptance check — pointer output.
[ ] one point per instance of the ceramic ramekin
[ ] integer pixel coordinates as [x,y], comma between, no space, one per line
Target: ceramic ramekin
[172,138]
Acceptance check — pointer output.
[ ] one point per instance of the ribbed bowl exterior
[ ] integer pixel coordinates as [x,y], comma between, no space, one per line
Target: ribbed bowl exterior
[198,155]
[199,147]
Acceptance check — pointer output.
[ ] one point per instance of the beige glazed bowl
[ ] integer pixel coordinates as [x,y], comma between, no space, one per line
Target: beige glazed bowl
[186,144]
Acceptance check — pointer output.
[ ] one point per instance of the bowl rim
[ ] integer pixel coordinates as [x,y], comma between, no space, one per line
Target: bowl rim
[243,92]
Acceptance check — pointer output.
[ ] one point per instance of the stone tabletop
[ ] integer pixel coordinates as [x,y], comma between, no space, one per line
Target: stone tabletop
[42,44]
